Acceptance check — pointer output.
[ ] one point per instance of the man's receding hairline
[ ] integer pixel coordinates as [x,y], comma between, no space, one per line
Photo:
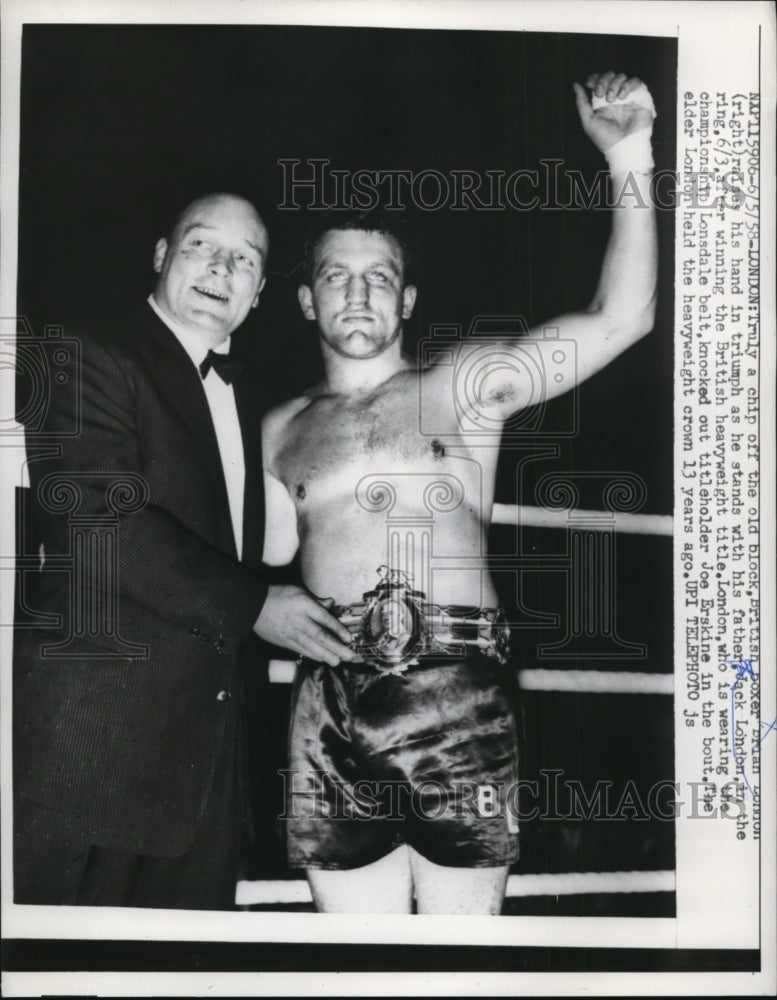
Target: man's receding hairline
[215,197]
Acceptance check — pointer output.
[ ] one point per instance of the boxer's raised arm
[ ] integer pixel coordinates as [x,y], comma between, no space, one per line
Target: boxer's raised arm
[619,122]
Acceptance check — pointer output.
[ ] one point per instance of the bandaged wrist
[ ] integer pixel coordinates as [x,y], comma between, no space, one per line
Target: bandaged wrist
[634,153]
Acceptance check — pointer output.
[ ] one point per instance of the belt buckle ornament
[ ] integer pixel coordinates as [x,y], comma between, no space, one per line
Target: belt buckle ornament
[392,626]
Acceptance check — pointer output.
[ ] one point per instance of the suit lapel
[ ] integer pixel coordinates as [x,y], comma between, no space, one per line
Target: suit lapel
[181,384]
[171,368]
[249,411]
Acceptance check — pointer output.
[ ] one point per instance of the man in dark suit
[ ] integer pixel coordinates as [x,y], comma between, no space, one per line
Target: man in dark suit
[128,727]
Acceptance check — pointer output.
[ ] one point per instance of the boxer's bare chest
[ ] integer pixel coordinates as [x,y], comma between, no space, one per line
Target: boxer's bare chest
[343,436]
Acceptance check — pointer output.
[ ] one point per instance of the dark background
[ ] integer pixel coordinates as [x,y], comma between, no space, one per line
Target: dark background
[122,125]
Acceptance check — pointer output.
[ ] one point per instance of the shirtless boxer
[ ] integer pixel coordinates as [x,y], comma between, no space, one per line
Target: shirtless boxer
[391,522]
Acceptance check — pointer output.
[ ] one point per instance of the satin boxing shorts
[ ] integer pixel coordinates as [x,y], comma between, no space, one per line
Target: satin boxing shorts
[427,758]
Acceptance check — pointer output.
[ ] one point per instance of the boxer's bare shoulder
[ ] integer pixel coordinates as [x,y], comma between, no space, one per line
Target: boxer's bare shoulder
[276,425]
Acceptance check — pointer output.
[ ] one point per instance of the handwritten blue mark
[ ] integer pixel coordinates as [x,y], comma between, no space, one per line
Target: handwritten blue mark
[744,670]
[771,727]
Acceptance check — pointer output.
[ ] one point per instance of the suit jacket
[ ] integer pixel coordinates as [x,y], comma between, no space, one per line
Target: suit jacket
[121,727]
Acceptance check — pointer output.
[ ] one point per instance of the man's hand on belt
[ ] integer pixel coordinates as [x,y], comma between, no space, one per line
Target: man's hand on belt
[291,618]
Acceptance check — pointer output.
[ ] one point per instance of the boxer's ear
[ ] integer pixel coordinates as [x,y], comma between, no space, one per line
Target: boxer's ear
[409,295]
[160,252]
[305,297]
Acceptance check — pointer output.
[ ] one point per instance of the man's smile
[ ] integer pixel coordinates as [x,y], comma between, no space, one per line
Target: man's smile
[211,293]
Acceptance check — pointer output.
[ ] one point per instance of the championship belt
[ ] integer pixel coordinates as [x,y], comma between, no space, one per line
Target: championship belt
[394,625]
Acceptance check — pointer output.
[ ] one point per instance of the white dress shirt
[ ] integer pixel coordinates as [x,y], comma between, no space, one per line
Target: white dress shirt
[223,411]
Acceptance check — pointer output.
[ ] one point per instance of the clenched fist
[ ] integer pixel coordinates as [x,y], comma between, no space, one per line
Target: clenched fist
[618,117]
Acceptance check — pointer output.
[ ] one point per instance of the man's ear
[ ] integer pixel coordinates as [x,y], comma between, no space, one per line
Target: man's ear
[255,303]
[160,252]
[409,294]
[305,297]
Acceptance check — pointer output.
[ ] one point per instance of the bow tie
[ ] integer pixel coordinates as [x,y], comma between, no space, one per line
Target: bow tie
[226,366]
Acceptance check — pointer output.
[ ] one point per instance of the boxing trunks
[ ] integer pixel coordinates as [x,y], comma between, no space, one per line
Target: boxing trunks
[416,744]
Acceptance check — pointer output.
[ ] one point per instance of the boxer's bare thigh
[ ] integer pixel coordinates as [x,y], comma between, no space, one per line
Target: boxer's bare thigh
[384,886]
[440,889]
[388,886]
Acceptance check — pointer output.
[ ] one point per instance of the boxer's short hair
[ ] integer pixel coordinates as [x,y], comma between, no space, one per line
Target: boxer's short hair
[376,220]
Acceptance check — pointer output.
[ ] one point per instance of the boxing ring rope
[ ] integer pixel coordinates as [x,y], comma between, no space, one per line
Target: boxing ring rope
[596,681]
[296,892]
[541,517]
[567,681]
